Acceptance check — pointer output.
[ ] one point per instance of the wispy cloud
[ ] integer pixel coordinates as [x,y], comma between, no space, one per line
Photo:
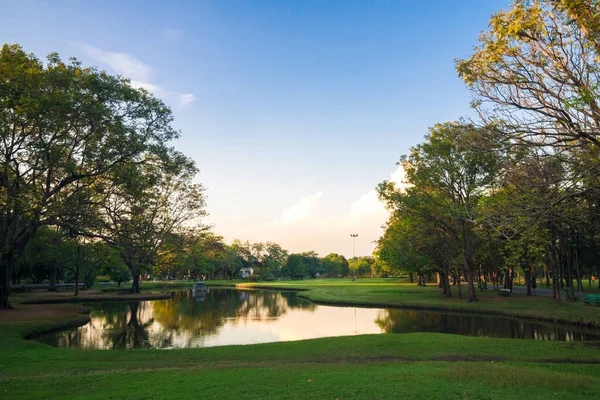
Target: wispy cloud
[146,85]
[122,63]
[141,75]
[186,99]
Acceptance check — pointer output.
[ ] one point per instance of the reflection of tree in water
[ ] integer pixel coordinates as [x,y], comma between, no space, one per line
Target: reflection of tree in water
[132,325]
[113,325]
[184,318]
[132,335]
[186,314]
[263,306]
[405,321]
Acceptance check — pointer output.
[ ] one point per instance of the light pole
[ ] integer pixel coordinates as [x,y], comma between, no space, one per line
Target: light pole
[353,236]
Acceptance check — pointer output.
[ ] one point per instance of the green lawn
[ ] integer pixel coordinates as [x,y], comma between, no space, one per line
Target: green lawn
[416,365]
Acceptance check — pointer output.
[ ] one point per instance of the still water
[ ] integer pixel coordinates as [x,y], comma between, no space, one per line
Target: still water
[228,316]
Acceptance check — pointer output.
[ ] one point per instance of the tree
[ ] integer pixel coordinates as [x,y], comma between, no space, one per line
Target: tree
[362,265]
[140,215]
[537,68]
[273,259]
[295,267]
[448,175]
[312,262]
[60,124]
[335,265]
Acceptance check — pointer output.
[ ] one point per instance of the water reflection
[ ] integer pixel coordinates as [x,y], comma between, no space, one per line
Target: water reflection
[228,316]
[405,321]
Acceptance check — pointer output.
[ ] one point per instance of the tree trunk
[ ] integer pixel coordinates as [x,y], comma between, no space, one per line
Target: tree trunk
[5,269]
[460,296]
[528,280]
[448,289]
[136,284]
[571,289]
[553,267]
[52,287]
[78,252]
[578,271]
[472,292]
[412,279]
[442,285]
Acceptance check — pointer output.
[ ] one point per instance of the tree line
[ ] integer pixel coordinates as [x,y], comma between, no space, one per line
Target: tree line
[515,190]
[192,254]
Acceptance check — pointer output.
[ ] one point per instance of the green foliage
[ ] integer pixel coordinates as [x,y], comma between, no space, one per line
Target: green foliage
[335,265]
[71,132]
[295,267]
[361,266]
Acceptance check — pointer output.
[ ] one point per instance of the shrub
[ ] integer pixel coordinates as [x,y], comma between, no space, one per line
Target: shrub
[253,278]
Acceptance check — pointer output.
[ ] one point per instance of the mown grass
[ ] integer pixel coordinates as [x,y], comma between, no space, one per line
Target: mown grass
[416,365]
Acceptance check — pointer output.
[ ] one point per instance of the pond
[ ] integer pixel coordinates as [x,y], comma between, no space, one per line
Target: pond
[229,316]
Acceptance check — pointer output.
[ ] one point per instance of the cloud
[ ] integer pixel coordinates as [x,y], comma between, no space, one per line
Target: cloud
[171,34]
[122,63]
[186,99]
[306,208]
[145,85]
[140,74]
[302,227]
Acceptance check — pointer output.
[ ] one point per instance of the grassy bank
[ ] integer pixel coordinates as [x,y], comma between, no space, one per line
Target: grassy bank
[369,366]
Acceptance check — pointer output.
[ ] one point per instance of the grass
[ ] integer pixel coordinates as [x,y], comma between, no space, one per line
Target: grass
[416,365]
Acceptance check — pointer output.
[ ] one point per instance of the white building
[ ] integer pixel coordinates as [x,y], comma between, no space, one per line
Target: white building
[246,271]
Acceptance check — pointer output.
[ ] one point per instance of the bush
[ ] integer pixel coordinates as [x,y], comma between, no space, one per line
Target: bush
[270,278]
[253,278]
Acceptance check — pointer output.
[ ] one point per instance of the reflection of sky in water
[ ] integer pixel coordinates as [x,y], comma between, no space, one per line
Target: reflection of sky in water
[296,325]
[227,316]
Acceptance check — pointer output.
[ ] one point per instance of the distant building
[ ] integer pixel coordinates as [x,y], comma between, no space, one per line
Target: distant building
[245,272]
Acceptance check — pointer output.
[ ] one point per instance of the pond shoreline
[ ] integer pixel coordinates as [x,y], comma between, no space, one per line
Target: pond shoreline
[49,299]
[305,294]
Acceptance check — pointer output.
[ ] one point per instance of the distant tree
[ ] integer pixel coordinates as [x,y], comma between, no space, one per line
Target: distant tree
[313,265]
[361,266]
[295,267]
[335,265]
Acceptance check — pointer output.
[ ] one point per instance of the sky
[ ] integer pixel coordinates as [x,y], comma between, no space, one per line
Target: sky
[293,111]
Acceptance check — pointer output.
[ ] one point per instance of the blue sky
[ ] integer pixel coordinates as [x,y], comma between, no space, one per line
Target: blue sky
[293,110]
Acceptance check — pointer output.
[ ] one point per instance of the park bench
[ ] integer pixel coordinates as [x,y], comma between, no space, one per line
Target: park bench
[504,292]
[592,299]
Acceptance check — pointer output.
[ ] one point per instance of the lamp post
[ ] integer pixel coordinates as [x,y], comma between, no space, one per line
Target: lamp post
[353,236]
